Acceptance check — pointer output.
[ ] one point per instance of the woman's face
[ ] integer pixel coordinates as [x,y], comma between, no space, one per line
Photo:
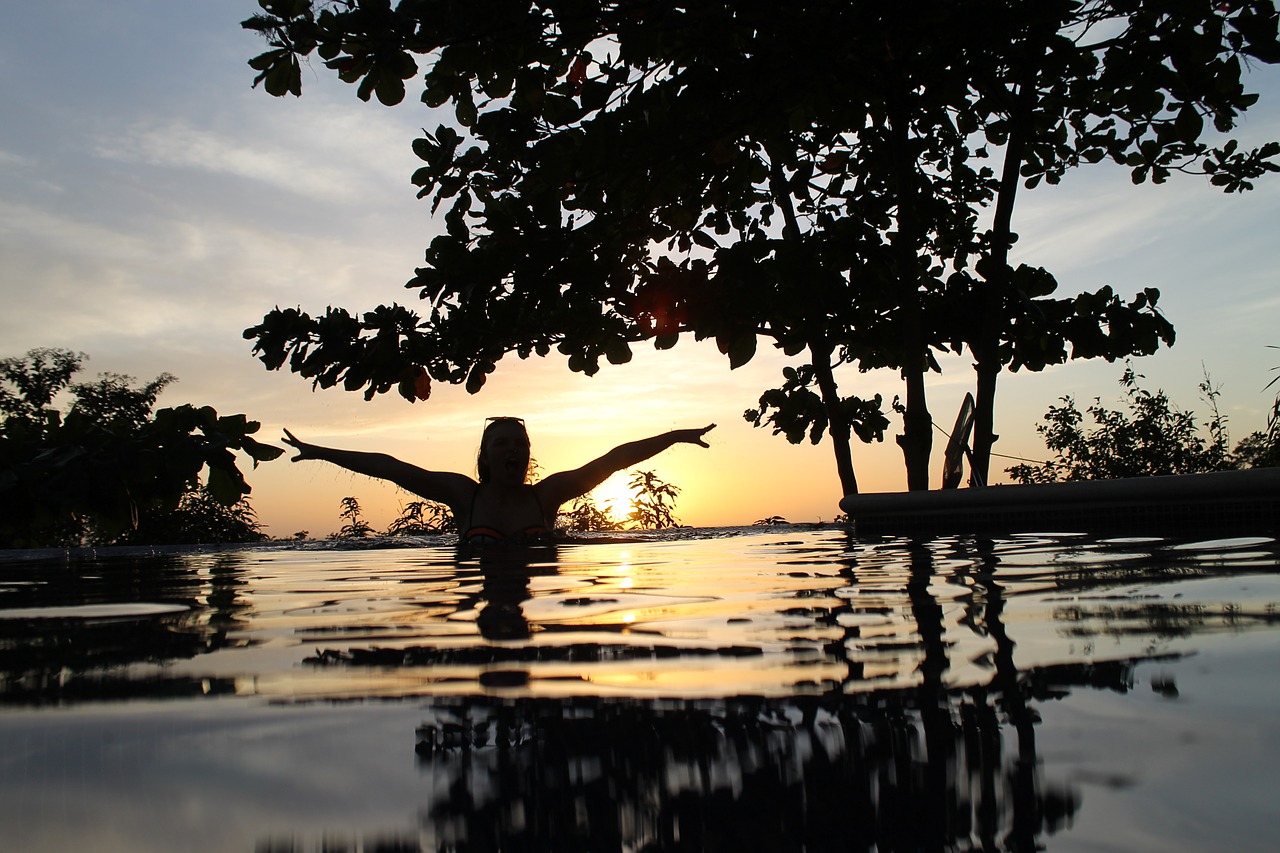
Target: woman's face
[506,453]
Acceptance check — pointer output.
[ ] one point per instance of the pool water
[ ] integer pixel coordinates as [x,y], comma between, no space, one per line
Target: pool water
[729,689]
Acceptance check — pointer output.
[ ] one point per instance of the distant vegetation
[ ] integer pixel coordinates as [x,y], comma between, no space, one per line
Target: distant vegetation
[199,518]
[423,518]
[653,502]
[583,516]
[356,527]
[1149,436]
[418,518]
[109,468]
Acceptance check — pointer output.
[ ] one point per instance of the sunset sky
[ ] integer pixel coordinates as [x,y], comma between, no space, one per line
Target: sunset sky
[153,206]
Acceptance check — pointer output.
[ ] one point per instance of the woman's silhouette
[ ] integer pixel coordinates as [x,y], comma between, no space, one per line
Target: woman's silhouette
[500,505]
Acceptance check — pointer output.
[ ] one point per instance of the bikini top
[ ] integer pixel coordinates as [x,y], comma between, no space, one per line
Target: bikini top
[483,535]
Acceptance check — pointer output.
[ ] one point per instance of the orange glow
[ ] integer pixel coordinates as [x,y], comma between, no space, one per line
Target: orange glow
[614,497]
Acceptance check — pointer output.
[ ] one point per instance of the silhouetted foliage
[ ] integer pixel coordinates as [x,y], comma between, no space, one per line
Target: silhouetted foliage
[809,174]
[113,402]
[198,519]
[1259,449]
[584,516]
[652,508]
[111,469]
[416,518]
[654,501]
[29,385]
[356,527]
[1153,437]
[423,518]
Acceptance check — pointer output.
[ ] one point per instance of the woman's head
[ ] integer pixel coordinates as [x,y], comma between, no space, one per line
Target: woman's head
[504,451]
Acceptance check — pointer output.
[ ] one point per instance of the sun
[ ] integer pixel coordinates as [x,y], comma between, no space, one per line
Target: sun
[613,497]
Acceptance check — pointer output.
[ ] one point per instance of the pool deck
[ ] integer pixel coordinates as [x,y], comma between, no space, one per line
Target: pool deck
[1222,501]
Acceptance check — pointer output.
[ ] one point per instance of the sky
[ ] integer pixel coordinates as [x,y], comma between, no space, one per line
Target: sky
[153,206]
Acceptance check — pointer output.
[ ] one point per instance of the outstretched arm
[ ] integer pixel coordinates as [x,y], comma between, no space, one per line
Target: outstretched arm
[447,488]
[566,485]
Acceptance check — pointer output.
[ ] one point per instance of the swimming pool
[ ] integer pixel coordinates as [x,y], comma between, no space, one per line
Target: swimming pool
[732,689]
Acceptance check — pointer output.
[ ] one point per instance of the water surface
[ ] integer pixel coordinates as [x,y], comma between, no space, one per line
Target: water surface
[715,689]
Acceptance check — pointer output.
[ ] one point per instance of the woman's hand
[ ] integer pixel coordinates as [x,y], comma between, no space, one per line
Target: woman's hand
[694,436]
[305,451]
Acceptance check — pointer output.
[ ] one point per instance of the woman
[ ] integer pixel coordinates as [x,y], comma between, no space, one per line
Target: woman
[502,505]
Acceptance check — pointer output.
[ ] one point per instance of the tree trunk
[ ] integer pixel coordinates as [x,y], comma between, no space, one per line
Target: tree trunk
[837,425]
[820,350]
[984,405]
[999,287]
[916,440]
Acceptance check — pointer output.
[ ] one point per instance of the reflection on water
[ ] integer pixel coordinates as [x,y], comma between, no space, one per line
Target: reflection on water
[719,690]
[73,629]
[897,771]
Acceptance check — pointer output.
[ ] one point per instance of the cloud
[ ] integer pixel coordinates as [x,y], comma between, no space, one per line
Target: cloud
[179,145]
[1097,220]
[345,158]
[168,235]
[9,159]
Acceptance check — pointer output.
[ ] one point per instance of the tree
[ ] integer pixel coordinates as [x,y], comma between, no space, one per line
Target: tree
[356,527]
[628,172]
[584,516]
[29,386]
[1153,437]
[653,504]
[1133,82]
[198,519]
[423,518]
[111,469]
[1260,449]
[113,402]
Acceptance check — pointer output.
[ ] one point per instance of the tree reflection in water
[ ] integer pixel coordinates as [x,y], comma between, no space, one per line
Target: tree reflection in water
[917,768]
[838,772]
[52,659]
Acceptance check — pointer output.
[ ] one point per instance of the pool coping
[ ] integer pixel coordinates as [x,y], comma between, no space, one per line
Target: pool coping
[1221,500]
